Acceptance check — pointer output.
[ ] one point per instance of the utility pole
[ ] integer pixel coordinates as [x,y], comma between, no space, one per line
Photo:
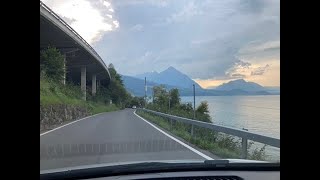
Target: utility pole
[194,102]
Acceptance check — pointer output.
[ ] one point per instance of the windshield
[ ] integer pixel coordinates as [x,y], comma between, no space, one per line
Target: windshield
[128,81]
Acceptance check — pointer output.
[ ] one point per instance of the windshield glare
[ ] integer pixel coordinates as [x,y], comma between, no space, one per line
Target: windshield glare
[158,81]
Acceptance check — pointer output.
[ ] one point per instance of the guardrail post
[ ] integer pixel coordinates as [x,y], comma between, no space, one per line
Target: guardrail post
[170,124]
[244,152]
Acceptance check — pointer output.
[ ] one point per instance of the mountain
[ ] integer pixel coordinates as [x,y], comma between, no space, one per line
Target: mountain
[150,75]
[170,76]
[273,89]
[213,92]
[211,87]
[241,84]
[136,86]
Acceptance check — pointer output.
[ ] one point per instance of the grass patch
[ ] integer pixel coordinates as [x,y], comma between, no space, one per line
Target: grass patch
[54,93]
[222,145]
[99,108]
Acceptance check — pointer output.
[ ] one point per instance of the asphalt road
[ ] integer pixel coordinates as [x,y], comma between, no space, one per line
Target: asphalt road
[110,137]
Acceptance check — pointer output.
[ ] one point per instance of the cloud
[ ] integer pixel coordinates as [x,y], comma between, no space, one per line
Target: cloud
[137,27]
[270,77]
[260,70]
[91,19]
[238,75]
[116,24]
[256,47]
[242,64]
[156,3]
[106,3]
[188,11]
[238,70]
[252,6]
[242,69]
[147,56]
[160,3]
[206,39]
[69,20]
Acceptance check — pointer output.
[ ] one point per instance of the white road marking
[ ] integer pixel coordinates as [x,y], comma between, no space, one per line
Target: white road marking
[175,139]
[68,124]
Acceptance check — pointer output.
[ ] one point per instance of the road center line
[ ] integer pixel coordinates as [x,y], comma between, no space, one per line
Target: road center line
[175,139]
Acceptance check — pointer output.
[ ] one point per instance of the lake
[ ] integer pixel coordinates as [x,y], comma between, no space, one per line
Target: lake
[259,114]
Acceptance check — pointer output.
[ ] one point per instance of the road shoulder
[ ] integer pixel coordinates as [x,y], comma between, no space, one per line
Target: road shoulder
[205,152]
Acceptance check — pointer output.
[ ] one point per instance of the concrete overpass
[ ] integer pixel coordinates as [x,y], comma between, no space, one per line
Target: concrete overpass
[83,64]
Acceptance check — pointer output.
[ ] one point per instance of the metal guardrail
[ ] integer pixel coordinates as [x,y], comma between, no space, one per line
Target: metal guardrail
[245,135]
[71,29]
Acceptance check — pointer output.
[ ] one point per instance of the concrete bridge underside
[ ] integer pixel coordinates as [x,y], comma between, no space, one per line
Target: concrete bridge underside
[83,65]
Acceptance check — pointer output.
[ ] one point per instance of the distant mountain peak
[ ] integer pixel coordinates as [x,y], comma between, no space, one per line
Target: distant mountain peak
[240,84]
[171,69]
[170,76]
[239,80]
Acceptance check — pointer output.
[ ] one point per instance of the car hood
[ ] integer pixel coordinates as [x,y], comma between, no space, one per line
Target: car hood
[138,162]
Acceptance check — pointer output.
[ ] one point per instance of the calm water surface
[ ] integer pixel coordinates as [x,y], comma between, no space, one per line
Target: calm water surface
[259,114]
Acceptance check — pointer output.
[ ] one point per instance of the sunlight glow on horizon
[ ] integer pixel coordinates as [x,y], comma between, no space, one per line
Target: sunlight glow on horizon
[269,78]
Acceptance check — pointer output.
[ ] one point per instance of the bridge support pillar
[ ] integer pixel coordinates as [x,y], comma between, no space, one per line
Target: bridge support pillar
[94,84]
[84,82]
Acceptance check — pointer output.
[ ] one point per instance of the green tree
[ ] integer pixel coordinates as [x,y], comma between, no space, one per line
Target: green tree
[186,107]
[174,97]
[203,107]
[202,112]
[161,103]
[116,90]
[114,74]
[52,63]
[137,101]
[159,91]
[161,97]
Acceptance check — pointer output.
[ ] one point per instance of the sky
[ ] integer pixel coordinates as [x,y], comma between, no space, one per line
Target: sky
[211,41]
